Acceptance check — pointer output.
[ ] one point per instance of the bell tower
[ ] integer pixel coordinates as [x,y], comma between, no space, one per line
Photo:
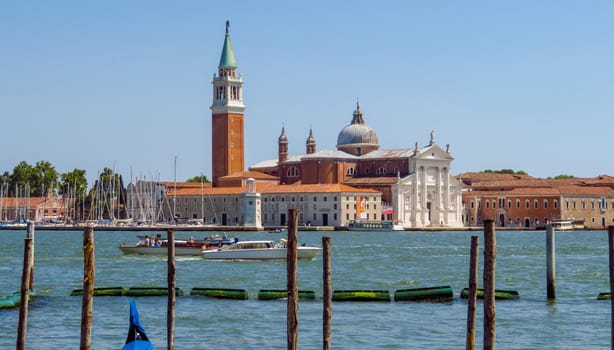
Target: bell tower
[227,116]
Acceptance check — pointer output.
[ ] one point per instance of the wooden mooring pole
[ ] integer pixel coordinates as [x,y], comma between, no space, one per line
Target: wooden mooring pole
[172,286]
[490,268]
[89,267]
[327,297]
[473,292]
[292,285]
[31,235]
[26,283]
[551,262]
[611,251]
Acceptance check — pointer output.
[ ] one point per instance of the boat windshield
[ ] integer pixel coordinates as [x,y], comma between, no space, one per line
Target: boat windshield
[251,245]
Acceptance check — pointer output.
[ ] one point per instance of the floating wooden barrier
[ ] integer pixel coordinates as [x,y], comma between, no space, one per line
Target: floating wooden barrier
[274,294]
[13,300]
[220,293]
[361,295]
[150,291]
[499,294]
[104,291]
[441,293]
[604,296]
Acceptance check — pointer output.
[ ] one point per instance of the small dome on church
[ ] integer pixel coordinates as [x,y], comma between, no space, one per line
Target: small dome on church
[357,134]
[310,139]
[283,136]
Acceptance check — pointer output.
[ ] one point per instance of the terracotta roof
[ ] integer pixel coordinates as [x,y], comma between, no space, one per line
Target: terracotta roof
[313,188]
[586,190]
[250,173]
[20,202]
[168,184]
[207,191]
[479,176]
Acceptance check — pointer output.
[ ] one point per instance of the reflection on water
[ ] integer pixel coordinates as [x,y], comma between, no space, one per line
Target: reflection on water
[389,261]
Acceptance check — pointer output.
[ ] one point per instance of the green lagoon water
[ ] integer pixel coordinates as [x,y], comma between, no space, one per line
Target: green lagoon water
[369,260]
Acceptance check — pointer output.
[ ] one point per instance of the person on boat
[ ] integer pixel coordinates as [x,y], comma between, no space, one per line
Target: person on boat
[147,241]
[157,243]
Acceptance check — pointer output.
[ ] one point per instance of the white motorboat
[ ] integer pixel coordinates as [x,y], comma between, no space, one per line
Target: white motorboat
[259,250]
[360,225]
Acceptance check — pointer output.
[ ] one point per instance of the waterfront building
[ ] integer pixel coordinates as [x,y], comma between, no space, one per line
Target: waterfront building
[37,209]
[523,201]
[254,203]
[416,186]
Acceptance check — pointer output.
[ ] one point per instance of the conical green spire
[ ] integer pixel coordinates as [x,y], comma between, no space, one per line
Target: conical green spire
[228,56]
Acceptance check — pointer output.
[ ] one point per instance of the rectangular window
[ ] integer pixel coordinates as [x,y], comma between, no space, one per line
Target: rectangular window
[545,204]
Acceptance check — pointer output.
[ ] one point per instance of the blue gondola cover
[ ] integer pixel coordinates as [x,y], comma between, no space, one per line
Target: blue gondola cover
[137,338]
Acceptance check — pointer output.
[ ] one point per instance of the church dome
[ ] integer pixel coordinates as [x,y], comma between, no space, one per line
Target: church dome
[357,138]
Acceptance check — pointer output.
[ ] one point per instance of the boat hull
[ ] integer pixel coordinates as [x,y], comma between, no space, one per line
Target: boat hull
[307,253]
[144,250]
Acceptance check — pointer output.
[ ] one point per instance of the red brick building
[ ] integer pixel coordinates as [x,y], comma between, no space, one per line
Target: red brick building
[523,201]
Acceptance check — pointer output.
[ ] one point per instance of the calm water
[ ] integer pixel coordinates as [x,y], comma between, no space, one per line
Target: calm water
[390,261]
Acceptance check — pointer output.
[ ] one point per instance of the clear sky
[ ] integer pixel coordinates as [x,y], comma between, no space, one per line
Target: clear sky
[526,85]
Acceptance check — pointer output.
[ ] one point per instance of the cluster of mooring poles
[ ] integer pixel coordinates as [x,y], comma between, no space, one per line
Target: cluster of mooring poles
[490,255]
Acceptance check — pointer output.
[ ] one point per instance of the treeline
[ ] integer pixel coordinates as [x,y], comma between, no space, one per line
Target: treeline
[36,180]
[105,199]
[522,172]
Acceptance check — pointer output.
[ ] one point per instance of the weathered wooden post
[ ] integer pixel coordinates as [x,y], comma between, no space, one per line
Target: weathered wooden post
[551,262]
[490,268]
[172,286]
[611,250]
[292,286]
[327,297]
[26,279]
[473,292]
[89,267]
[31,235]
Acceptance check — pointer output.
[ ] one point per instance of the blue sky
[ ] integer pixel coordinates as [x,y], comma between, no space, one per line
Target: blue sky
[526,85]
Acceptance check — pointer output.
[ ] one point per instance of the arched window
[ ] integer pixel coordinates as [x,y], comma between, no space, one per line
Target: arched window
[381,171]
[351,172]
[292,172]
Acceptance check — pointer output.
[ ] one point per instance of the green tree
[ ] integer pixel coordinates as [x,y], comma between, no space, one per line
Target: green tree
[563,177]
[73,183]
[45,178]
[200,178]
[22,179]
[107,195]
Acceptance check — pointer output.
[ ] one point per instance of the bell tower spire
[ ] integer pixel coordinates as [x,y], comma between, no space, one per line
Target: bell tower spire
[310,144]
[227,115]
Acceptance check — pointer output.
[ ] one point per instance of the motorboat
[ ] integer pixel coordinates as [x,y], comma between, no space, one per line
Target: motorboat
[259,250]
[182,247]
[361,225]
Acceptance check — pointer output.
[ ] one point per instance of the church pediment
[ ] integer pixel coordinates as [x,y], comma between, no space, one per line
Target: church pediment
[434,152]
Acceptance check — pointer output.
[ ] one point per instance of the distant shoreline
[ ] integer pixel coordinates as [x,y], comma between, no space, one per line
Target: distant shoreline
[276,229]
